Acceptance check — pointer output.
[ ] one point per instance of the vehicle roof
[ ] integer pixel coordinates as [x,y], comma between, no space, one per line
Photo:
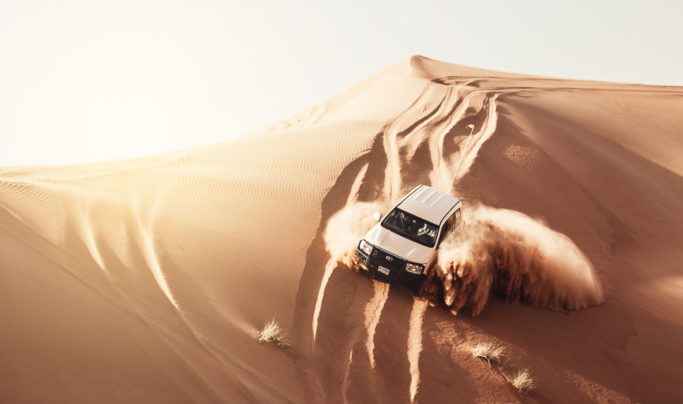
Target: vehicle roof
[428,203]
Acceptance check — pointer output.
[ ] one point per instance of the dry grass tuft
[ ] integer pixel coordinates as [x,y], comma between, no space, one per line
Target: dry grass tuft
[488,351]
[272,333]
[523,381]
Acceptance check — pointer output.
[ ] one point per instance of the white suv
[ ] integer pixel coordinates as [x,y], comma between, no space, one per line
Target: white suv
[405,243]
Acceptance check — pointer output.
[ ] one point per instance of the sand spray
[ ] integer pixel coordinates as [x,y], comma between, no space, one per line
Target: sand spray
[497,251]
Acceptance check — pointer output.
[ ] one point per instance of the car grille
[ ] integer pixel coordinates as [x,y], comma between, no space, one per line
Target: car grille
[387,260]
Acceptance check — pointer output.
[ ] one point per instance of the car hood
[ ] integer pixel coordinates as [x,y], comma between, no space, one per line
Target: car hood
[398,245]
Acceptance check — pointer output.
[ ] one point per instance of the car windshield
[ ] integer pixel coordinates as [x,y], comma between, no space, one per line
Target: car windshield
[411,227]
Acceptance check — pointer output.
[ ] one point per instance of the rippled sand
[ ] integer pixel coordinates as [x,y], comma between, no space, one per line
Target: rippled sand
[147,280]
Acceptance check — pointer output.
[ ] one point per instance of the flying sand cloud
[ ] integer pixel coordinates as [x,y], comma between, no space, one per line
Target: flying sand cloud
[498,251]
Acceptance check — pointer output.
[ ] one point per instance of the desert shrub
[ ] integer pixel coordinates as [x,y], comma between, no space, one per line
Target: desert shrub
[523,381]
[273,334]
[488,351]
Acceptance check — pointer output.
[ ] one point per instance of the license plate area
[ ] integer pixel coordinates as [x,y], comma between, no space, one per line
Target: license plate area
[383,270]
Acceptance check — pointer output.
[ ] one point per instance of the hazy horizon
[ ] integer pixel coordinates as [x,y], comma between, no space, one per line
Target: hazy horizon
[84,81]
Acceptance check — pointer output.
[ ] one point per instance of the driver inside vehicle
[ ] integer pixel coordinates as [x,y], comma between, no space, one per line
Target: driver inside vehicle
[424,230]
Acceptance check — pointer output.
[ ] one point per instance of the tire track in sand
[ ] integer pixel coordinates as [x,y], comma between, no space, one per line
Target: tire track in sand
[432,127]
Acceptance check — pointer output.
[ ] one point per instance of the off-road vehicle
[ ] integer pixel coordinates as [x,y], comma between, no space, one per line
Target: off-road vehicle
[403,246]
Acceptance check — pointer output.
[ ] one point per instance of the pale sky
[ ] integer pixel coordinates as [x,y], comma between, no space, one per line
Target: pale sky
[85,80]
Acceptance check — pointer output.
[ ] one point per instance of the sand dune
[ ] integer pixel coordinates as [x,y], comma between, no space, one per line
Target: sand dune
[147,280]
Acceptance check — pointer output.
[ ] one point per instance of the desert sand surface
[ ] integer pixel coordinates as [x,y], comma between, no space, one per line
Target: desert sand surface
[148,280]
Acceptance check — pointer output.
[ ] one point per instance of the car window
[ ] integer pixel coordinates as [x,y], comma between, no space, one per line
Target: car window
[450,224]
[411,227]
[445,231]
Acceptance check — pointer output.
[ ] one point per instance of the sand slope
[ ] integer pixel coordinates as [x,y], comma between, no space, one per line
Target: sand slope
[146,280]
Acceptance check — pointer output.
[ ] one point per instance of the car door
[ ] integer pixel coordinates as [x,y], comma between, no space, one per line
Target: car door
[450,225]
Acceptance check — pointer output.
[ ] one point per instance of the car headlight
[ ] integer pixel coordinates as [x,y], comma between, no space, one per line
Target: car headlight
[414,268]
[365,247]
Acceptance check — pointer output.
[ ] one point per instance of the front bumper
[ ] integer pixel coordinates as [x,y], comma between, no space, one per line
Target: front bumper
[395,265]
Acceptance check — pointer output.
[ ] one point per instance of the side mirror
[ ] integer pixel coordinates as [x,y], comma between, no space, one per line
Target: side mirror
[377,216]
